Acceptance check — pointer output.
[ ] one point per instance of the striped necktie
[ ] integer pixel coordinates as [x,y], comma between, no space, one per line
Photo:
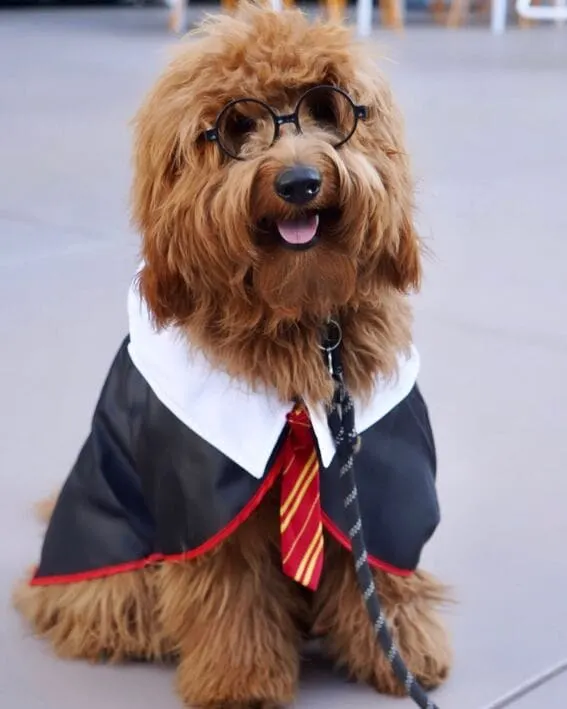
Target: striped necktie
[300,508]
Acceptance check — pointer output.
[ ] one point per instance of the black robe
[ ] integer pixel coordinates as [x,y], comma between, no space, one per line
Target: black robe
[147,488]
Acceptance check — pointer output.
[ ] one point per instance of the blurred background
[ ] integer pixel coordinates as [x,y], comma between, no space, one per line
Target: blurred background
[484,94]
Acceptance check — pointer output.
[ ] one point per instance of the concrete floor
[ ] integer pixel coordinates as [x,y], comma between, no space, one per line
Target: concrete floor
[486,122]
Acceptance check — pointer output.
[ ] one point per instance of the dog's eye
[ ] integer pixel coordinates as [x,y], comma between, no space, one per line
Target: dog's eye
[329,110]
[323,110]
[239,122]
[241,125]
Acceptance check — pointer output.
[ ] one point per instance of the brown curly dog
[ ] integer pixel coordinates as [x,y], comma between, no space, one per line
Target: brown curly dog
[254,231]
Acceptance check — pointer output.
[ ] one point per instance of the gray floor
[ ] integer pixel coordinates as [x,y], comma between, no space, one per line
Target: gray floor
[486,121]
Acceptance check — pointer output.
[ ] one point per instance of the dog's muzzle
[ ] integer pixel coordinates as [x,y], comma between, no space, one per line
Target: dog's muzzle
[298,185]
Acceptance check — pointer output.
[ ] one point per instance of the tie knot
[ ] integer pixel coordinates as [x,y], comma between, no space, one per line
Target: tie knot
[300,432]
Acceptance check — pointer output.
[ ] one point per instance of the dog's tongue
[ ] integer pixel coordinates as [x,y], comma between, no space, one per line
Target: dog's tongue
[298,231]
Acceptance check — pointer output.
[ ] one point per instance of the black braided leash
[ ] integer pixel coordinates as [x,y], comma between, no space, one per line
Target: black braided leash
[342,425]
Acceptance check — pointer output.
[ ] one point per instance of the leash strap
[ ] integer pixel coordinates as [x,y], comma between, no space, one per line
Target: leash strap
[341,422]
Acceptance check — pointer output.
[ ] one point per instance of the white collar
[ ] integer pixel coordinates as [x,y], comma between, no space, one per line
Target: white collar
[244,425]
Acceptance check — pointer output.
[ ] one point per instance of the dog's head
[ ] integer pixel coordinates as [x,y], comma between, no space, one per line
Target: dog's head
[271,183]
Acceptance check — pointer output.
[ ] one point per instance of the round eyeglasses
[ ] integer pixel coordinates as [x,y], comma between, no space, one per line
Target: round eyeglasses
[247,125]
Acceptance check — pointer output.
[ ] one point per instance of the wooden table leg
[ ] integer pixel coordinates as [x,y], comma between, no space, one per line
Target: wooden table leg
[458,13]
[391,14]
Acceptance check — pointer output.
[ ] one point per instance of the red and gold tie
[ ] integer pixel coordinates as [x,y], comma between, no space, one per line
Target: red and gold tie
[300,508]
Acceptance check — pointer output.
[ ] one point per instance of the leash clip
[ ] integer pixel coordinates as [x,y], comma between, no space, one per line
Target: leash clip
[332,340]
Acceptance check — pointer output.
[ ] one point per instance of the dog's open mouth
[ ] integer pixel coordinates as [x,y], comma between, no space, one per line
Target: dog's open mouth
[300,232]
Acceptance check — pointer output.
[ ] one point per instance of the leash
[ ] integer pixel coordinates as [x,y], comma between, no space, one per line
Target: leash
[341,422]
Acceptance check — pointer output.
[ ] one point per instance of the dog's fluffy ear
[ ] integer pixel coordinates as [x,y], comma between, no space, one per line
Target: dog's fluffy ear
[160,281]
[155,208]
[400,257]
[165,292]
[401,264]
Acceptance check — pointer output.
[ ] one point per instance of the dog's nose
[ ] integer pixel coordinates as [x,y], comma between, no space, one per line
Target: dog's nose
[298,184]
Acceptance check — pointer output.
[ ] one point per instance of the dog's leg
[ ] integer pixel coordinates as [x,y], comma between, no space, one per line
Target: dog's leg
[111,619]
[410,606]
[233,617]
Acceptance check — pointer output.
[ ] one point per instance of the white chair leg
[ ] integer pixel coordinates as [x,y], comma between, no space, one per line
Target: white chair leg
[561,21]
[498,16]
[364,10]
[178,16]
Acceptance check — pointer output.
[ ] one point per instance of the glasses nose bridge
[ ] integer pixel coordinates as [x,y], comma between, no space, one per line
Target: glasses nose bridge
[287,119]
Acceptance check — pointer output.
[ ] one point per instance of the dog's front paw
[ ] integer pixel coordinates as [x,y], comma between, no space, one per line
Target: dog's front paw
[424,645]
[426,650]
[432,672]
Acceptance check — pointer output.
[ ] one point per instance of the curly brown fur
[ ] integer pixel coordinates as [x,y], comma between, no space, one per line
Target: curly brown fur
[410,605]
[256,309]
[111,618]
[234,619]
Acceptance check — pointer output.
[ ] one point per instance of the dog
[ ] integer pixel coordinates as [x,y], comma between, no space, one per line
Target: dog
[273,195]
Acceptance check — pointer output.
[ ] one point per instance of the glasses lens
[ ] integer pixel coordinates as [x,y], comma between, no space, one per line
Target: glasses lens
[329,110]
[245,127]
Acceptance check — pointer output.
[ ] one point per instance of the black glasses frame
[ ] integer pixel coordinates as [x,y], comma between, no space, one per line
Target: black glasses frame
[360,113]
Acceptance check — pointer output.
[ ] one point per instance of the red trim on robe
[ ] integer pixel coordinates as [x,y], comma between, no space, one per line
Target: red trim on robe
[211,543]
